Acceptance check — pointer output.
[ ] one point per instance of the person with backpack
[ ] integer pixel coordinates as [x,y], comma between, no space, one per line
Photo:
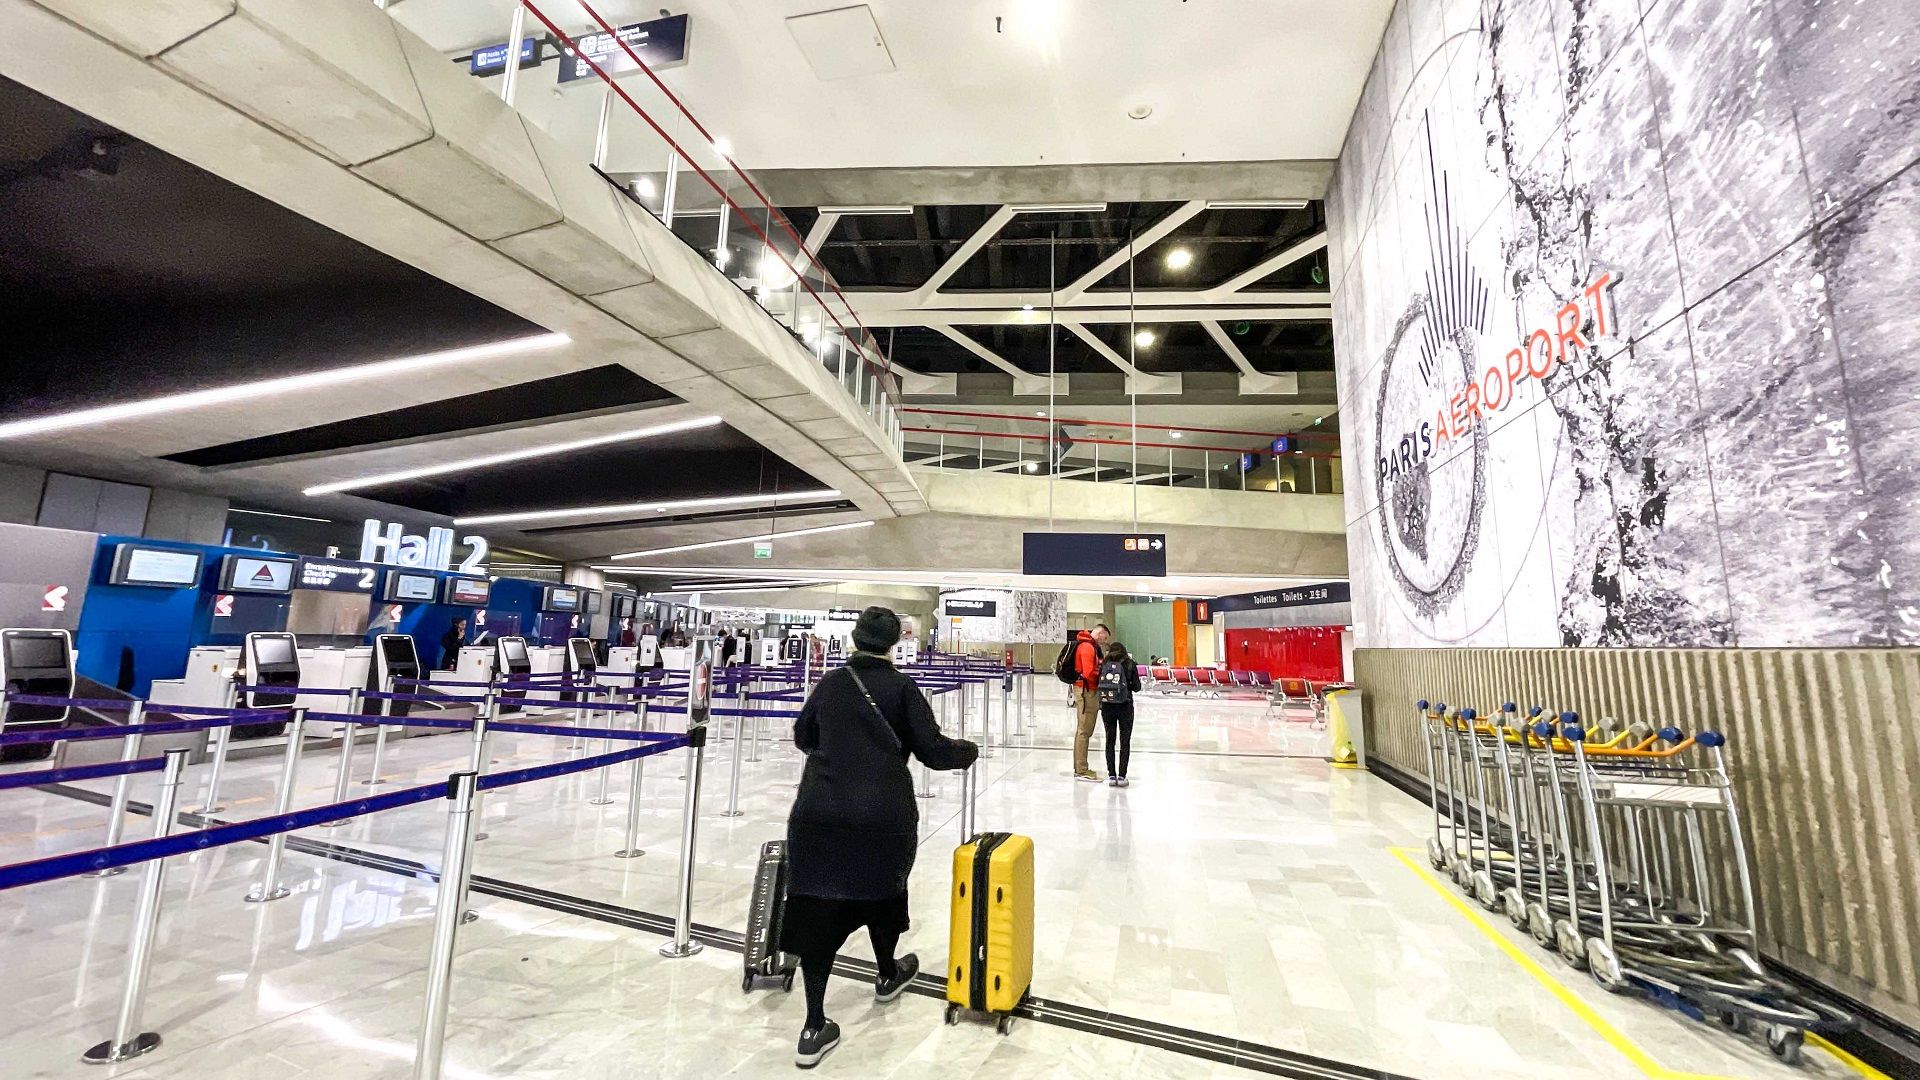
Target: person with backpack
[1119,681]
[1078,665]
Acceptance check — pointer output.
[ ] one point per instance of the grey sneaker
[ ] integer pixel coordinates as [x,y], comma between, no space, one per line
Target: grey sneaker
[1113,781]
[904,969]
[815,1044]
[1121,781]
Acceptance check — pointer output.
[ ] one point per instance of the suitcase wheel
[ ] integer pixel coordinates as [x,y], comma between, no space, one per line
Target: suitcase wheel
[953,1013]
[1005,1025]
[786,981]
[746,983]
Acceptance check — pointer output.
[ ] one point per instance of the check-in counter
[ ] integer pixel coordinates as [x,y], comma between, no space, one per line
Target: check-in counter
[677,659]
[210,667]
[474,665]
[546,659]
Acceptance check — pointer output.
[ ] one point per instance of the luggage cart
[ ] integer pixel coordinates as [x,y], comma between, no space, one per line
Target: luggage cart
[1619,847]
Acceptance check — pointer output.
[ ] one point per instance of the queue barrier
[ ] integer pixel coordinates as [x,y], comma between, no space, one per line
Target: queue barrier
[96,704]
[118,731]
[80,772]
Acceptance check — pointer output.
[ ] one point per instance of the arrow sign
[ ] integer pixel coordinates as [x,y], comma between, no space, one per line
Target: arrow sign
[1094,554]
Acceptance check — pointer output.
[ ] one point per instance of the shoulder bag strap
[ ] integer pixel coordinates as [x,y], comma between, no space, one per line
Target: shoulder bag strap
[893,737]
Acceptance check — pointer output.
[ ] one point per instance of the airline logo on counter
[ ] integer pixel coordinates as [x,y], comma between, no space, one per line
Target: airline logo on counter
[1443,383]
[54,598]
[390,543]
[223,606]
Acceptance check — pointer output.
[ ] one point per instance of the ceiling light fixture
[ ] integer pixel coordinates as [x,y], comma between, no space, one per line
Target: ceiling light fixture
[1140,111]
[1061,208]
[1033,466]
[867,211]
[746,539]
[270,513]
[656,506]
[644,188]
[1256,204]
[1173,434]
[489,460]
[225,395]
[722,147]
[1179,259]
[1144,339]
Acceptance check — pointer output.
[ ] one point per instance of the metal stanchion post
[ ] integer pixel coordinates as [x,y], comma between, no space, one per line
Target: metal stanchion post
[632,850]
[926,774]
[380,736]
[606,747]
[222,736]
[753,748]
[269,887]
[480,755]
[986,721]
[683,943]
[344,776]
[463,790]
[128,1040]
[1007,711]
[739,736]
[129,750]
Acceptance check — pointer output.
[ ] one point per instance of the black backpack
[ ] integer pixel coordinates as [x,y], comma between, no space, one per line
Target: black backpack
[1114,689]
[1063,668]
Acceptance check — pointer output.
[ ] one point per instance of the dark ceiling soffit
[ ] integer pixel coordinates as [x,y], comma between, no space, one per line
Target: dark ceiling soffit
[615,388]
[743,514]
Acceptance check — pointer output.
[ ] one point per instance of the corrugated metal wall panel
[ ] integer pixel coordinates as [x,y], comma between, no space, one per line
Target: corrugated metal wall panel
[1825,752]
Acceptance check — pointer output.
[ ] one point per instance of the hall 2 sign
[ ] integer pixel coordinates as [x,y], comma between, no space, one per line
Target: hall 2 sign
[390,543]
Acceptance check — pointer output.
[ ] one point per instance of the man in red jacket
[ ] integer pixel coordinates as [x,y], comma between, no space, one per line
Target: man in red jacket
[1087,647]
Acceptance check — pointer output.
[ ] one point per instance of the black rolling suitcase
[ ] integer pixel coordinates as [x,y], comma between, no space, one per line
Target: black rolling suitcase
[765,909]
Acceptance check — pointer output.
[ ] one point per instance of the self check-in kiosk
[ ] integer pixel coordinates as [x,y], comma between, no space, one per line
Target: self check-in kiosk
[394,657]
[271,660]
[512,662]
[34,662]
[582,664]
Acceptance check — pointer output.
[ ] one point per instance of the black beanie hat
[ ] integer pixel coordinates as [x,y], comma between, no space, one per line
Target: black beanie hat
[877,631]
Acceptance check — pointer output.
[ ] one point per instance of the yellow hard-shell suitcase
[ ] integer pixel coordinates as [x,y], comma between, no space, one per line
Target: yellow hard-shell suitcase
[990,940]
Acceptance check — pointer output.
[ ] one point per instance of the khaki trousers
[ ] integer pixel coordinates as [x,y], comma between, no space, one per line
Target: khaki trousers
[1086,713]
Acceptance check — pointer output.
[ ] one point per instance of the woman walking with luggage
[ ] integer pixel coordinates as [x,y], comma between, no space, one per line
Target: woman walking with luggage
[854,827]
[1119,681]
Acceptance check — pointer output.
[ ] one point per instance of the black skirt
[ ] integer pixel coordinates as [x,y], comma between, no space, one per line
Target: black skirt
[816,926]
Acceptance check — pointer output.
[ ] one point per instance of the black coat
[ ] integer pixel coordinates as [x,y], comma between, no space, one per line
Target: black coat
[855,824]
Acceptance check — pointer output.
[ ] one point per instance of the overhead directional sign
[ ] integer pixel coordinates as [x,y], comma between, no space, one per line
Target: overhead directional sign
[659,42]
[981,608]
[1095,554]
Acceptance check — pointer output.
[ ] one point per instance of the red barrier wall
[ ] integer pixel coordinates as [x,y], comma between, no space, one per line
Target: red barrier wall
[1291,652]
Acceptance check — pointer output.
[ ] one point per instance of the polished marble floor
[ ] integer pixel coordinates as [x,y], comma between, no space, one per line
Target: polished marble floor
[1263,898]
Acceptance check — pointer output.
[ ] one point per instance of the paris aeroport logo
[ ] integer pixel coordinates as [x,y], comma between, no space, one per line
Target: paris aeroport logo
[1444,381]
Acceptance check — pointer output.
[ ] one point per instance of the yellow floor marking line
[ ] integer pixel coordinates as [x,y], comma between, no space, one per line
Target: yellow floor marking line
[1600,1025]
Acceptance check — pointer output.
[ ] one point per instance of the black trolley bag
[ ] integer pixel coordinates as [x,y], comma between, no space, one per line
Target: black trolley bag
[766,909]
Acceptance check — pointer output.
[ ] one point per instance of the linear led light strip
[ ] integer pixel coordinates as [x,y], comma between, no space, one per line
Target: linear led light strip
[486,460]
[641,507]
[222,395]
[817,530]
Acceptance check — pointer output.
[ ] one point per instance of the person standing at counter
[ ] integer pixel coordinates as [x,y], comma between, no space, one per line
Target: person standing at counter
[450,643]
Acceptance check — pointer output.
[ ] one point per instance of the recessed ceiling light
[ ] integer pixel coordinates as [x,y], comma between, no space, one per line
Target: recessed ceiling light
[644,187]
[1140,111]
[1026,307]
[1173,434]
[1033,466]
[223,395]
[1179,259]
[1144,339]
[722,147]
[489,460]
[1039,412]
[644,507]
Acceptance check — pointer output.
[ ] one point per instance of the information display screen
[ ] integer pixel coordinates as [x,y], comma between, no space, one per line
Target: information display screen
[332,575]
[412,588]
[25,652]
[395,650]
[514,650]
[249,573]
[472,592]
[559,599]
[274,651]
[136,564]
[591,602]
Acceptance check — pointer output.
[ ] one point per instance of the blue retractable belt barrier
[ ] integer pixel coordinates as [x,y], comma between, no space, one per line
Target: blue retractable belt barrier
[139,851]
[161,727]
[396,721]
[718,710]
[80,772]
[319,691]
[437,682]
[382,695]
[547,772]
[589,732]
[72,703]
